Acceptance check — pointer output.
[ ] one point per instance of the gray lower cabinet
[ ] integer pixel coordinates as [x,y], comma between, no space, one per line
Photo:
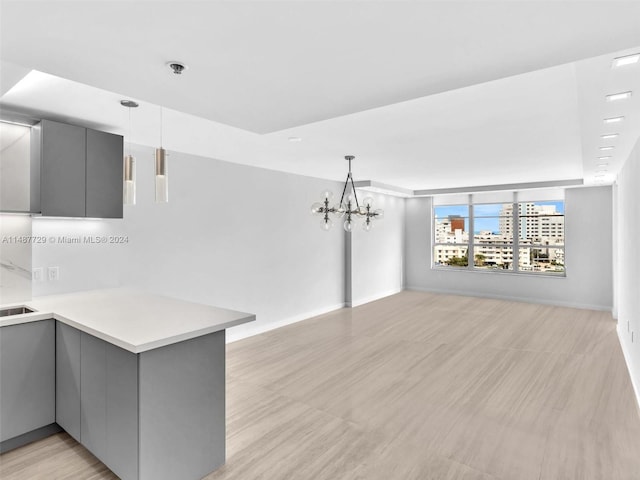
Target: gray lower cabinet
[27,378]
[68,379]
[109,404]
[93,395]
[97,398]
[122,412]
[182,409]
[157,415]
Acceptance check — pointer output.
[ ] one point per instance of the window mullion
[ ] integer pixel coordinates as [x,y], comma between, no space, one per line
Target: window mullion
[470,251]
[515,220]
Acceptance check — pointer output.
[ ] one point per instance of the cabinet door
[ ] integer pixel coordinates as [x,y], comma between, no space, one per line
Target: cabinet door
[122,412]
[93,395]
[68,379]
[109,405]
[104,175]
[27,377]
[62,172]
[15,167]
[182,408]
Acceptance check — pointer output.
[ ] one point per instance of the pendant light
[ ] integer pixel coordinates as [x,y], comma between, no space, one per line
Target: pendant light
[349,209]
[129,165]
[162,178]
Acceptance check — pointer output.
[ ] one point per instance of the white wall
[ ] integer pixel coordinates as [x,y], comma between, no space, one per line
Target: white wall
[628,263]
[588,259]
[235,236]
[72,246]
[376,258]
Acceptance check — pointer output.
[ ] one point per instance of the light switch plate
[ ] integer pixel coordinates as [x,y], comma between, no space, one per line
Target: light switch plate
[53,273]
[37,274]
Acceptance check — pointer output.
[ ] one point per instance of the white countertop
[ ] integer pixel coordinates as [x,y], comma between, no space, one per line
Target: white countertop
[134,320]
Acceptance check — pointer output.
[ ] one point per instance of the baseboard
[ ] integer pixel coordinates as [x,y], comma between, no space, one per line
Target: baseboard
[258,329]
[636,387]
[373,298]
[32,436]
[584,306]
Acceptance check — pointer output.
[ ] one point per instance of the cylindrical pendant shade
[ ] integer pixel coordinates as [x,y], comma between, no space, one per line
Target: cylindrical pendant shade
[129,168]
[161,161]
[162,178]
[129,191]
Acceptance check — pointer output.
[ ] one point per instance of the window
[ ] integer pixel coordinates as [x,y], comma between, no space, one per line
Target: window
[451,237]
[493,236]
[518,237]
[541,237]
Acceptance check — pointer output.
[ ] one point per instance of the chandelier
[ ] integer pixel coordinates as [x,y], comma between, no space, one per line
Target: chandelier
[348,208]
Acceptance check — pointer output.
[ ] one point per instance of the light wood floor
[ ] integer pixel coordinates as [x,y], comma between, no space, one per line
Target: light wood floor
[415,386]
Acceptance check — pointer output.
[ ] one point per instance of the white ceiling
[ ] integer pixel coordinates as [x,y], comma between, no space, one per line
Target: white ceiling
[425,94]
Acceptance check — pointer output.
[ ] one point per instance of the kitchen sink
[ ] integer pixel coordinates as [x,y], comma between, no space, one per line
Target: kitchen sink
[5,312]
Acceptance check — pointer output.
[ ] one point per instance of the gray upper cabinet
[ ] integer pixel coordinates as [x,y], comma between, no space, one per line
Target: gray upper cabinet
[104,175]
[80,171]
[63,170]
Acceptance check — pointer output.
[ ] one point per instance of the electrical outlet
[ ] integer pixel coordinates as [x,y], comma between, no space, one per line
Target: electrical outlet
[37,274]
[53,273]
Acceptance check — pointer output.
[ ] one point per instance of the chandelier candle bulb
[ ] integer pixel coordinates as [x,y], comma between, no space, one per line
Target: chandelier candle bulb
[348,225]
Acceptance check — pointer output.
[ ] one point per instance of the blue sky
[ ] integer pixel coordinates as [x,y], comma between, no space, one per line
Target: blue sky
[484,210]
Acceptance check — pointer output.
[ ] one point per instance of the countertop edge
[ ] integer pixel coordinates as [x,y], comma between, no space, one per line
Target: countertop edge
[25,318]
[39,316]
[188,336]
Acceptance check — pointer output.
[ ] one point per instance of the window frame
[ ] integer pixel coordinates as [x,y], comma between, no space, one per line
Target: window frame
[471,245]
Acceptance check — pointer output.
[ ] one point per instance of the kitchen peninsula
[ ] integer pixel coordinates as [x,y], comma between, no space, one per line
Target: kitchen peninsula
[138,379]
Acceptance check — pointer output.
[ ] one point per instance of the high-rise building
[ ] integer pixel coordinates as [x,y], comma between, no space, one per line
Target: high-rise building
[538,223]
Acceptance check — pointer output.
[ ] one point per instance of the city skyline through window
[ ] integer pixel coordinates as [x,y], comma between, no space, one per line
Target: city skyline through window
[484,213]
[538,228]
